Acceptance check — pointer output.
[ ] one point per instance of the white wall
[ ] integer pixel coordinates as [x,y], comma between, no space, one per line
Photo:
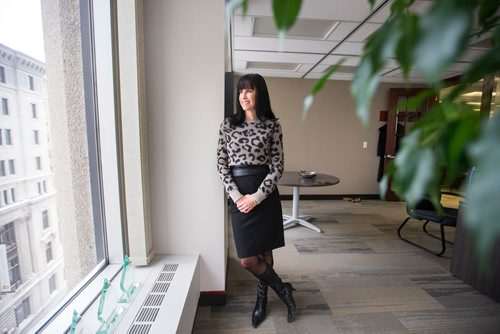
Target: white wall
[184,53]
[330,139]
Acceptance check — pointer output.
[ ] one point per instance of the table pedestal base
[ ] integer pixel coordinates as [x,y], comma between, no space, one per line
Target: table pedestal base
[294,219]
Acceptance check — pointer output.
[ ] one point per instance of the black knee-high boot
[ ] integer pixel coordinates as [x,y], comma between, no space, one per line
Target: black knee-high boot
[283,290]
[259,312]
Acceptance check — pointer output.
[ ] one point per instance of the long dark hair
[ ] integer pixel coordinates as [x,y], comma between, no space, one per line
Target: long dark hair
[262,101]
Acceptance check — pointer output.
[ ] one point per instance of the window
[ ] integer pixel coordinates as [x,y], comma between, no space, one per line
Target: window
[8,137]
[5,106]
[6,197]
[33,110]
[12,167]
[35,137]
[2,74]
[45,219]
[23,311]
[48,252]
[52,283]
[2,168]
[80,111]
[31,82]
[8,238]
[13,194]
[1,136]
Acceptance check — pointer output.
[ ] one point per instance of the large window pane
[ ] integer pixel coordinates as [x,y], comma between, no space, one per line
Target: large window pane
[51,233]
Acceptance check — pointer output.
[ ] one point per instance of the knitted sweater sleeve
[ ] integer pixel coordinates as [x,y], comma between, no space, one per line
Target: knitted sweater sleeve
[276,164]
[223,164]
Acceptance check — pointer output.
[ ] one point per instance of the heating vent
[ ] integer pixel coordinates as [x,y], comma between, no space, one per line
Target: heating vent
[139,329]
[148,312]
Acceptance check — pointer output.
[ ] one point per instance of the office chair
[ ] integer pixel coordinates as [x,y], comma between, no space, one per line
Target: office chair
[425,211]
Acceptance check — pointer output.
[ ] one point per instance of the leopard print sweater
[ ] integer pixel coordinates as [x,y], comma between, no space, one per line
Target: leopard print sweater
[252,143]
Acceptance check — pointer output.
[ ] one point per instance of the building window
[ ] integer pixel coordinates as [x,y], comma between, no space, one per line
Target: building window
[23,311]
[44,186]
[33,110]
[31,82]
[1,136]
[13,194]
[45,219]
[36,137]
[5,106]
[8,137]
[12,167]
[8,238]
[52,283]
[6,197]
[2,74]
[39,185]
[2,168]
[39,163]
[48,251]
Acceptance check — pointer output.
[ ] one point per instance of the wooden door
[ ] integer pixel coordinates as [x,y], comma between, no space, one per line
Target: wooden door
[399,122]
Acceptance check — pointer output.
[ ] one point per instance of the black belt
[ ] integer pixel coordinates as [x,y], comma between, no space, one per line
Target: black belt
[249,170]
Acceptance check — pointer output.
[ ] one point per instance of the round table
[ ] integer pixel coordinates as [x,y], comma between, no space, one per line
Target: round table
[295,180]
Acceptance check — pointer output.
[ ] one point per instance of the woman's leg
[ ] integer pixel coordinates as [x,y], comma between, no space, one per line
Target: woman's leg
[265,272]
[267,257]
[259,311]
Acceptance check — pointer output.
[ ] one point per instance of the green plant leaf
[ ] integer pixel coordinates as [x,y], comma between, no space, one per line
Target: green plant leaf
[483,210]
[443,34]
[286,13]
[399,6]
[415,169]
[379,48]
[363,87]
[409,26]
[318,86]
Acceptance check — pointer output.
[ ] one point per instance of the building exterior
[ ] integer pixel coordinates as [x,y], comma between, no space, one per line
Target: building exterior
[31,259]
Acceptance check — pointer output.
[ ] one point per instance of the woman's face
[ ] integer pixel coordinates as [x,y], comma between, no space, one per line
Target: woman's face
[247,98]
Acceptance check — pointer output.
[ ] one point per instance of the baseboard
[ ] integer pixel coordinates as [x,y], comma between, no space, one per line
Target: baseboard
[212,298]
[331,197]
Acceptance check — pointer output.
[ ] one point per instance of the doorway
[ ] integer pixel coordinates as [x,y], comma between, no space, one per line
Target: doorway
[400,120]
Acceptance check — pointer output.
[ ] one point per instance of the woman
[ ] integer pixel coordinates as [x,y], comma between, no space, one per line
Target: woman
[250,163]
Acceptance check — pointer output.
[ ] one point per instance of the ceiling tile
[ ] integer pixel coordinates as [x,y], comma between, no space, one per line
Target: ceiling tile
[290,45]
[259,65]
[364,32]
[302,29]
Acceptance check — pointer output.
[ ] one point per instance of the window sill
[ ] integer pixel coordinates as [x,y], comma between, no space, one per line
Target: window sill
[60,321]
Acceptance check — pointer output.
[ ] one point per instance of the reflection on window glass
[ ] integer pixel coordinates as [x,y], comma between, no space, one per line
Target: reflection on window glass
[45,190]
[473,95]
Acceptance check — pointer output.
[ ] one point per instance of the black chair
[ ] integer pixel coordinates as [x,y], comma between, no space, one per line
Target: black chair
[425,211]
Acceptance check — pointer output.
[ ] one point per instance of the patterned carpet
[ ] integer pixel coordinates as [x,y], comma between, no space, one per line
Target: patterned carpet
[356,277]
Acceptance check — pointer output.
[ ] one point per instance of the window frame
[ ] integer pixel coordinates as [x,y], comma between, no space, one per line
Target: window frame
[100,66]
[34,113]
[5,106]
[49,254]
[12,167]
[3,78]
[45,219]
[31,82]
[8,136]
[38,162]
[52,283]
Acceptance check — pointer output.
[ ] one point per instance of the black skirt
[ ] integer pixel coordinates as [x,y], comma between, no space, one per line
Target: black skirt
[261,229]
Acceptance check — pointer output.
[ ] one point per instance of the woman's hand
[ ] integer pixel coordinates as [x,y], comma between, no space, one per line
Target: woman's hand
[246,203]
